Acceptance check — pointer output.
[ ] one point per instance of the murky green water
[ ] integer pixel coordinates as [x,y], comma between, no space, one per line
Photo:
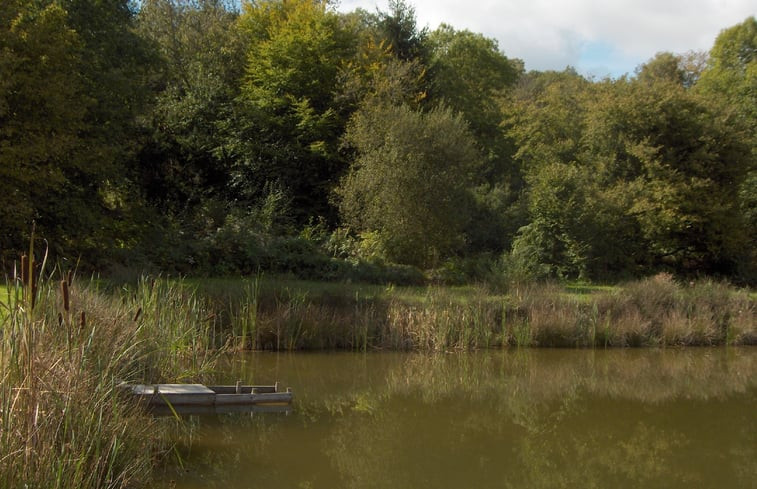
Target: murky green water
[506,419]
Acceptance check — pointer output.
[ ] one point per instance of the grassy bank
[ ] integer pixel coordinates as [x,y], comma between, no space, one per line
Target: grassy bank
[279,314]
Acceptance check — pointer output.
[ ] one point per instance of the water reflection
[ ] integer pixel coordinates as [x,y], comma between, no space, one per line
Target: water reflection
[533,418]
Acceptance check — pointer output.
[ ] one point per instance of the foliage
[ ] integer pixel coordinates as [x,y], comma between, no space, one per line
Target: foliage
[646,161]
[408,182]
[681,155]
[470,74]
[205,136]
[287,120]
[731,77]
[201,58]
[398,26]
[72,86]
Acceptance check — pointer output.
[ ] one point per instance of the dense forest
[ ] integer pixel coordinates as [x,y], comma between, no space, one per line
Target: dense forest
[205,137]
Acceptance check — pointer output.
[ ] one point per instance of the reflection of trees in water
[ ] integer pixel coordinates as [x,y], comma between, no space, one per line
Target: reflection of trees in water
[557,419]
[533,418]
[648,376]
[594,459]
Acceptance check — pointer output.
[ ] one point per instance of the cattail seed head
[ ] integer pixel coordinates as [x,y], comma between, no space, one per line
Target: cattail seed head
[24,270]
[65,294]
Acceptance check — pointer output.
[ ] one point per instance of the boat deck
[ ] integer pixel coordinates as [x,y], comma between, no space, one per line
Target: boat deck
[222,395]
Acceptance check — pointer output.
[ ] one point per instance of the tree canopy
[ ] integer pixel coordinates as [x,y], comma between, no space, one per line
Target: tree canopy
[217,136]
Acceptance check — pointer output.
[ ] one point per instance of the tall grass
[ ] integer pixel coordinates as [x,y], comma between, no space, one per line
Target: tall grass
[656,311]
[64,349]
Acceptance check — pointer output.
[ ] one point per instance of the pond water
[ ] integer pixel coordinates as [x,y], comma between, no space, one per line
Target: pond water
[502,419]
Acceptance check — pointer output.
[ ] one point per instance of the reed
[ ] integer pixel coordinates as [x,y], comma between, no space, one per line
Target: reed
[657,311]
[65,347]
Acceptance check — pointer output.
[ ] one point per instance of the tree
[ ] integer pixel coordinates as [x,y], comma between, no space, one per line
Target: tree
[546,118]
[732,69]
[201,65]
[578,228]
[398,27]
[409,182]
[630,176]
[664,66]
[731,76]
[43,106]
[682,155]
[72,72]
[473,77]
[288,119]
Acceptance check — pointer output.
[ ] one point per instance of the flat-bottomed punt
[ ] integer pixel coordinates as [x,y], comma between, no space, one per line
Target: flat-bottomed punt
[181,395]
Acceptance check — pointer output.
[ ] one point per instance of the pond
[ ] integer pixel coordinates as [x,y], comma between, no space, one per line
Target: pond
[501,419]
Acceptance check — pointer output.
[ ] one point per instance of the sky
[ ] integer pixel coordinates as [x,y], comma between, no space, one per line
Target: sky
[598,38]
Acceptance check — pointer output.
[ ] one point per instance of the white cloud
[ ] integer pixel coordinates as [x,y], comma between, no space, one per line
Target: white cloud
[551,34]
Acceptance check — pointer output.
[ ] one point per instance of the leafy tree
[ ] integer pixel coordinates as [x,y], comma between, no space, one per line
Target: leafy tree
[682,155]
[547,117]
[732,69]
[685,69]
[578,229]
[472,76]
[664,66]
[202,61]
[629,176]
[43,106]
[288,122]
[731,76]
[399,28]
[410,180]
[71,92]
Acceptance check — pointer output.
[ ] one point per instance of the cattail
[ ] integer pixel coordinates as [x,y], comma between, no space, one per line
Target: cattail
[60,319]
[136,316]
[29,277]
[64,293]
[70,277]
[83,321]
[24,270]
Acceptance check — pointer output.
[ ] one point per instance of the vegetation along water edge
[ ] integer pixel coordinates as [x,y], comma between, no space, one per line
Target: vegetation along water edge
[68,342]
[367,184]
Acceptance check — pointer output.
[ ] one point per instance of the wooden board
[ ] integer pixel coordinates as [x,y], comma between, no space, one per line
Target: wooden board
[144,390]
[176,394]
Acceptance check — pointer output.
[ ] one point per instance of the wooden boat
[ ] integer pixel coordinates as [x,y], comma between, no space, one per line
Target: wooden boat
[180,395]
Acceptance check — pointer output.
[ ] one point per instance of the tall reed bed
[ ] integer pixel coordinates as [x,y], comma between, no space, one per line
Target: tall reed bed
[64,349]
[656,311]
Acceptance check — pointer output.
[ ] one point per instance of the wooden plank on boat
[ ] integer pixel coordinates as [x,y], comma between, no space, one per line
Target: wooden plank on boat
[176,394]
